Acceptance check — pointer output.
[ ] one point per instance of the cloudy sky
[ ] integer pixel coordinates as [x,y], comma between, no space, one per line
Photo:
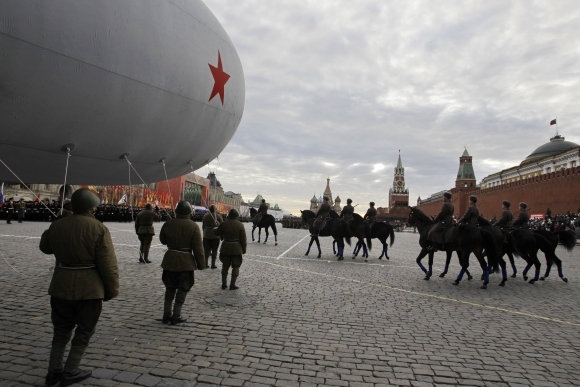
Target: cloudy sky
[336,88]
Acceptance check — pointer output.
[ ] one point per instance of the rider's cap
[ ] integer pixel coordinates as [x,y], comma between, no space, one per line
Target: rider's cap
[263,200]
[371,204]
[447,195]
[506,203]
[349,201]
[473,198]
[523,205]
[326,199]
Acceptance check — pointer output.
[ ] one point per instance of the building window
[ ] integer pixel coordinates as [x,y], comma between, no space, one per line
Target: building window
[548,170]
[573,164]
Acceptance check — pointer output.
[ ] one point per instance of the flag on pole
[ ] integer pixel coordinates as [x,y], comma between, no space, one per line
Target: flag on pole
[123,199]
[2,194]
[38,197]
[553,122]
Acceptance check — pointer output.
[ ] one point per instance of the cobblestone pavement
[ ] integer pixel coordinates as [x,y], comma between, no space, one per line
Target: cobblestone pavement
[300,321]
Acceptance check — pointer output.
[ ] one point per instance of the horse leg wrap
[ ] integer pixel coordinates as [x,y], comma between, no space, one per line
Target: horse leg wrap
[525,272]
[422,267]
[460,276]
[504,272]
[548,272]
[446,269]
[537,276]
[485,277]
[560,272]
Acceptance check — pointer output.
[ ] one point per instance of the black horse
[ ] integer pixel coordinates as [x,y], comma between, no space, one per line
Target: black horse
[265,222]
[465,240]
[335,227]
[361,230]
[567,239]
[380,231]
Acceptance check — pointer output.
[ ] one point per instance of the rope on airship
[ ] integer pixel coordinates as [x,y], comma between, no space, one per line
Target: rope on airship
[65,175]
[28,188]
[167,181]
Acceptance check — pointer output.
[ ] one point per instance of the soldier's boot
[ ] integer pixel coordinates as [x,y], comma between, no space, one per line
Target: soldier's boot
[233,283]
[55,364]
[179,300]
[169,296]
[146,253]
[213,258]
[72,373]
[224,281]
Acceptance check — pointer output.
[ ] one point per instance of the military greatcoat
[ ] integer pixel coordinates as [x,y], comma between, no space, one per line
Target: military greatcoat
[443,220]
[505,222]
[144,222]
[185,248]
[81,241]
[470,216]
[522,221]
[371,214]
[347,212]
[209,223]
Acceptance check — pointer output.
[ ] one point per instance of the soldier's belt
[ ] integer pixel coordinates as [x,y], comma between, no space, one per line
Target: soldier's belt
[76,267]
[184,249]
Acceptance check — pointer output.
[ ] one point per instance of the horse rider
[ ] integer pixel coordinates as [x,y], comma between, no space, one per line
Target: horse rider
[233,248]
[322,214]
[347,211]
[211,242]
[371,214]
[505,222]
[523,218]
[442,221]
[262,210]
[145,231]
[184,255]
[471,214]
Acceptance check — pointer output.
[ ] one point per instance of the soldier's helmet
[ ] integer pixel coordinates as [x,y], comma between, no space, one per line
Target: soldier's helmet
[473,198]
[83,200]
[447,195]
[326,199]
[372,204]
[148,206]
[348,201]
[523,205]
[506,204]
[212,208]
[233,214]
[183,208]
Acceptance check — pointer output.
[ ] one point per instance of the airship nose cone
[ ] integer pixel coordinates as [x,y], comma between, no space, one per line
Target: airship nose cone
[149,79]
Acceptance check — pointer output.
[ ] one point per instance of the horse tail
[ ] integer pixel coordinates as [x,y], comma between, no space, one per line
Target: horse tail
[391,232]
[489,244]
[567,239]
[512,243]
[346,230]
[369,239]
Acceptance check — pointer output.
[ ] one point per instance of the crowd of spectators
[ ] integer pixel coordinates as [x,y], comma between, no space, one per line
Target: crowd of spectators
[38,212]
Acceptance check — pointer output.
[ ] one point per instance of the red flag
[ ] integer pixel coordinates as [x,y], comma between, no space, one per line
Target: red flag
[553,122]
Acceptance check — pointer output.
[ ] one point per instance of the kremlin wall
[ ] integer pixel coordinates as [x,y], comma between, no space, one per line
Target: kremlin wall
[552,185]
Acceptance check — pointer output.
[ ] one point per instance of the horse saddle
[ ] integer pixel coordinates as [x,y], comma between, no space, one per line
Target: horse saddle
[320,223]
[442,235]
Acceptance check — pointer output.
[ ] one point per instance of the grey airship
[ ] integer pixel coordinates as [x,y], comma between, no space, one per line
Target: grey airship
[111,81]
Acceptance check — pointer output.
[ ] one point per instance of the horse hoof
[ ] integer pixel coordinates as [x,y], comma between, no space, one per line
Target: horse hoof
[542,278]
[565,279]
[532,281]
[380,258]
[276,244]
[318,256]
[525,278]
[306,254]
[264,242]
[366,260]
[455,282]
[469,277]
[387,257]
[483,287]
[502,283]
[513,275]
[427,277]
[442,275]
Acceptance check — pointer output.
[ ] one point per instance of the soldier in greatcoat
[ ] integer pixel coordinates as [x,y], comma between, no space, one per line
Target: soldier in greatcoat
[262,210]
[145,231]
[85,276]
[21,210]
[442,221]
[184,255]
[371,213]
[505,221]
[9,210]
[211,242]
[523,218]
[234,244]
[322,214]
[347,211]
[472,212]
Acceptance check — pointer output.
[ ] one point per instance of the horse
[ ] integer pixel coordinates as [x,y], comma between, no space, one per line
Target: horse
[465,240]
[335,227]
[380,231]
[567,239]
[265,222]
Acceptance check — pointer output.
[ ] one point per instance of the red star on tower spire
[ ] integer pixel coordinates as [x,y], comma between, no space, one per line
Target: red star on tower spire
[219,78]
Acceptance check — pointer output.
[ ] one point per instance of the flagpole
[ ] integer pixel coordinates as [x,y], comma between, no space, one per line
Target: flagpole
[556,125]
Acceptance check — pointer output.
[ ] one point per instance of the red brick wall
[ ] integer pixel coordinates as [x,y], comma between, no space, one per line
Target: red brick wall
[558,191]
